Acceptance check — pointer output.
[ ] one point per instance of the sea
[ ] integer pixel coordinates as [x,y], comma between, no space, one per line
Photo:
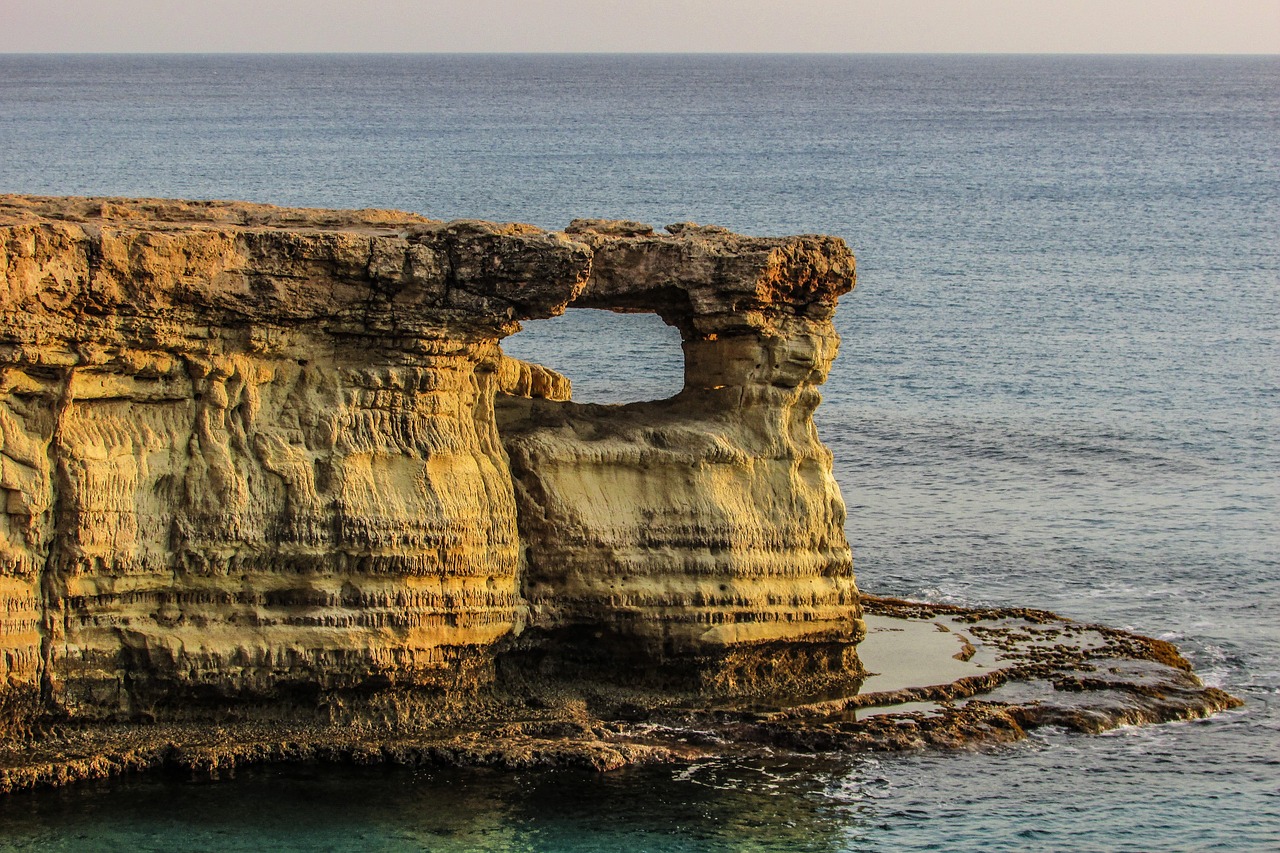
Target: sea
[1059,387]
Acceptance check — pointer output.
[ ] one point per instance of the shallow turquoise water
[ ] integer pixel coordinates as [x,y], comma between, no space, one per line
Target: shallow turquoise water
[1059,386]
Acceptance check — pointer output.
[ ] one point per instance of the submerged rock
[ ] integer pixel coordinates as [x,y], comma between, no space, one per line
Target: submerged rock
[274,491]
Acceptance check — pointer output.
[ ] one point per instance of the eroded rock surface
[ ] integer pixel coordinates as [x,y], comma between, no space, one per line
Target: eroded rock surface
[273,492]
[707,526]
[251,453]
[971,677]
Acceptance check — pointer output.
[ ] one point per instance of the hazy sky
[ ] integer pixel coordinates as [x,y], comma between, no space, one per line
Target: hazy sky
[1030,26]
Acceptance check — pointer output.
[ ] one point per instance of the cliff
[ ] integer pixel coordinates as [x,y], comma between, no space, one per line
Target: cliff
[273,492]
[273,458]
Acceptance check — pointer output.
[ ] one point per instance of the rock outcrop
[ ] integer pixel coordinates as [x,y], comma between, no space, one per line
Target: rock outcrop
[273,492]
[707,526]
[945,677]
[273,458]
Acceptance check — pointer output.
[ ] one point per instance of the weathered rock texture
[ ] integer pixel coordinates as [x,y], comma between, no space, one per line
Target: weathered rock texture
[971,676]
[707,525]
[273,492]
[253,454]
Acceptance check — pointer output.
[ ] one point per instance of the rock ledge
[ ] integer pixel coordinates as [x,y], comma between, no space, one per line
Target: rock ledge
[273,491]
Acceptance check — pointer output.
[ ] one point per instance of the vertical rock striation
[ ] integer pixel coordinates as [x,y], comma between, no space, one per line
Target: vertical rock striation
[254,453]
[698,539]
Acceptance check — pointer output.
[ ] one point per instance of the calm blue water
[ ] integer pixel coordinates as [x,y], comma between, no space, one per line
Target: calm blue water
[1059,386]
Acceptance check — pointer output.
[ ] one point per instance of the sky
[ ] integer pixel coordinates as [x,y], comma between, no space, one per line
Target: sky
[783,26]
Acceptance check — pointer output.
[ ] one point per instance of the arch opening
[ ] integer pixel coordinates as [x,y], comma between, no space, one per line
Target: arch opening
[609,357]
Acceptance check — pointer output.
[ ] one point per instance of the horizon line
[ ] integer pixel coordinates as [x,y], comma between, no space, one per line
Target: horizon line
[620,53]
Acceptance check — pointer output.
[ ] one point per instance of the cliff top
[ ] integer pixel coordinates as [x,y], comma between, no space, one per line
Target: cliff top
[280,264]
[173,214]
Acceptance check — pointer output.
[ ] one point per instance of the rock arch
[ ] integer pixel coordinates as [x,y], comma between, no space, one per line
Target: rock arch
[698,538]
[253,450]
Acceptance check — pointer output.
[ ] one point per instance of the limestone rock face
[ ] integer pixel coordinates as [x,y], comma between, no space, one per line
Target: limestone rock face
[248,451]
[706,527]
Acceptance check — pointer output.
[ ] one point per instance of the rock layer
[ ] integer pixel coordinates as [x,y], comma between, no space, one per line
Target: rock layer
[277,456]
[974,677]
[706,526]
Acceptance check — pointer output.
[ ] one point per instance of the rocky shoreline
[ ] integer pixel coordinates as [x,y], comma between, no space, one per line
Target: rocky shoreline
[274,492]
[1015,670]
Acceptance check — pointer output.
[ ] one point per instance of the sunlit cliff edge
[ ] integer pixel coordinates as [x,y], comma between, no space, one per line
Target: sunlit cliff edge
[271,467]
[249,449]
